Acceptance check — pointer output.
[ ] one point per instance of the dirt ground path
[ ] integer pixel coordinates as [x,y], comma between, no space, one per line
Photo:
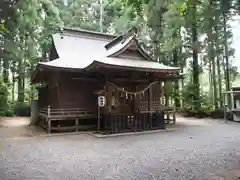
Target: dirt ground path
[15,127]
[14,121]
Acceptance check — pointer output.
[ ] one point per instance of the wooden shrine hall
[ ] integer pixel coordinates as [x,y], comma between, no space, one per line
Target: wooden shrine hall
[87,65]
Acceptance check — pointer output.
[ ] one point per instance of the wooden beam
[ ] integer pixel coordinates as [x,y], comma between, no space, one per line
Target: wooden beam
[129,80]
[85,79]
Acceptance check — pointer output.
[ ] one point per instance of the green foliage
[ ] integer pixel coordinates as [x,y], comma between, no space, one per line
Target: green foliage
[5,105]
[204,107]
[3,97]
[2,28]
[8,113]
[173,33]
[136,4]
[22,109]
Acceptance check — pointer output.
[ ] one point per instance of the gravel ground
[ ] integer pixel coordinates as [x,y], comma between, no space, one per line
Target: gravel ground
[194,152]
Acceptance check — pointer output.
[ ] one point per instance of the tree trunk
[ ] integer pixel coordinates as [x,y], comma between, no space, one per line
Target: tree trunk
[157,26]
[201,76]
[21,76]
[5,67]
[212,61]
[44,54]
[218,47]
[214,83]
[20,83]
[159,56]
[6,70]
[219,81]
[182,65]
[32,89]
[196,97]
[210,82]
[176,83]
[1,66]
[227,78]
[13,86]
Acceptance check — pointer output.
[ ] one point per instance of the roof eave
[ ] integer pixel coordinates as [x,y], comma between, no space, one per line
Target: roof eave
[95,64]
[142,51]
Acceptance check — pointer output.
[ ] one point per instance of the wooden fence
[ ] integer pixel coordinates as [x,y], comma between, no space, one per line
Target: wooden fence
[116,123]
[155,106]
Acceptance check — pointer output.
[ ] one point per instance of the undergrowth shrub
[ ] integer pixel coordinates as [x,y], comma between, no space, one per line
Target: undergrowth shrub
[4,106]
[201,108]
[22,109]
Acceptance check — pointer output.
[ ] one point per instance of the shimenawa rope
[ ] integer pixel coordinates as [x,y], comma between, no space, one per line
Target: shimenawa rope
[134,93]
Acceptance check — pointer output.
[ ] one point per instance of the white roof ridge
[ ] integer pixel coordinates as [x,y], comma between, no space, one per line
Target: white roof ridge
[82,36]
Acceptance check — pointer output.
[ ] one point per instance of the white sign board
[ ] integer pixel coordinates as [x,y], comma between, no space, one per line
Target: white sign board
[101,101]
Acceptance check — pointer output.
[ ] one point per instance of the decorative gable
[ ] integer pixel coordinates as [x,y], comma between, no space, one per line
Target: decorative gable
[127,46]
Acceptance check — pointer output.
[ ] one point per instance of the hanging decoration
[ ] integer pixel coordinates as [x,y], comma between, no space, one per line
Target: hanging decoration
[162,97]
[163,100]
[133,93]
[162,88]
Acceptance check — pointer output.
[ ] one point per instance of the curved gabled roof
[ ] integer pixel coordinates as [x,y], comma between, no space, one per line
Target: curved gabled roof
[82,50]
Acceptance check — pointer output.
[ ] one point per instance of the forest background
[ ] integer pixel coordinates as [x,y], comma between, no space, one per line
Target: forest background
[196,35]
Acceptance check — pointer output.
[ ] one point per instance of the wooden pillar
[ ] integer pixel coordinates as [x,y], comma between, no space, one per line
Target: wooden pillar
[232,100]
[98,126]
[58,89]
[34,112]
[109,98]
[137,103]
[49,111]
[48,120]
[150,99]
[166,99]
[76,124]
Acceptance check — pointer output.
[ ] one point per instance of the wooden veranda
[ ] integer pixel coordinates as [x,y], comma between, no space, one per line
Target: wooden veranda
[54,120]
